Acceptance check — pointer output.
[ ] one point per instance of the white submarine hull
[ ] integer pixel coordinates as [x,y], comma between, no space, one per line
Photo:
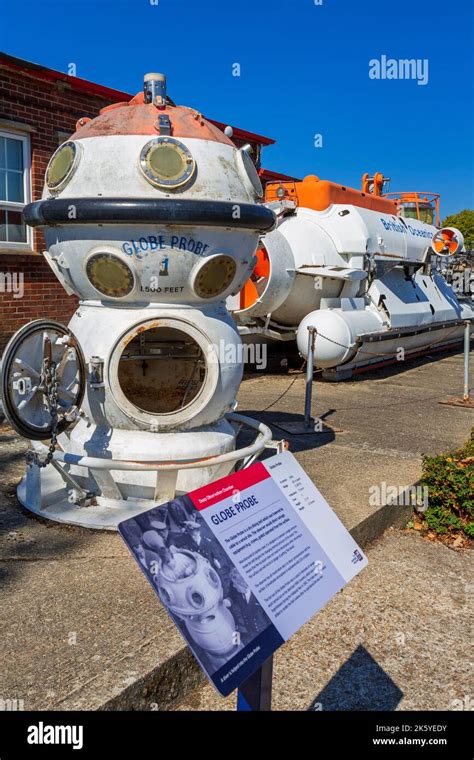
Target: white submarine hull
[365,280]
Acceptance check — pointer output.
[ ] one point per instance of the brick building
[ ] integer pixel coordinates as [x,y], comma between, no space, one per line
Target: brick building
[39,109]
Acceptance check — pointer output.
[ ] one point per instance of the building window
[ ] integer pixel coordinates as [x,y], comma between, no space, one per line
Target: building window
[15,190]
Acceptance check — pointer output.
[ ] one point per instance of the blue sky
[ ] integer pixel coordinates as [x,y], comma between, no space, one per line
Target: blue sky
[304,71]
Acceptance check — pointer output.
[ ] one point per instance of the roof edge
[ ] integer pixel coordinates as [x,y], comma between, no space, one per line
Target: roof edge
[92,88]
[51,75]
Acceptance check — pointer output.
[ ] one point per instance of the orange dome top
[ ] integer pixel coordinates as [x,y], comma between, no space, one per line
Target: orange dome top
[139,118]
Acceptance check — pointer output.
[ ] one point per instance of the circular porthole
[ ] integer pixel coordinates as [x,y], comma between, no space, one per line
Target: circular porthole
[163,372]
[195,598]
[110,275]
[213,577]
[167,163]
[165,596]
[213,276]
[62,165]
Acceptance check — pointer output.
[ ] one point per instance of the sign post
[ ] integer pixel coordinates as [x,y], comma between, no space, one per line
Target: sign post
[255,694]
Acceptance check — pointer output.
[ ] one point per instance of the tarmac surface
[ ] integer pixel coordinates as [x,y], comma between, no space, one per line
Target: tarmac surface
[396,638]
[81,629]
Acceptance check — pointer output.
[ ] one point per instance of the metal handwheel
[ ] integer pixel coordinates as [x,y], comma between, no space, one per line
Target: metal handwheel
[43,379]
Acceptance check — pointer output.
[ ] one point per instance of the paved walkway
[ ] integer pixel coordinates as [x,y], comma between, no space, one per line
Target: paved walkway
[80,627]
[398,637]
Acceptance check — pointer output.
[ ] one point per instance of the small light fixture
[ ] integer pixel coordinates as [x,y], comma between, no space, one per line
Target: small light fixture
[154,89]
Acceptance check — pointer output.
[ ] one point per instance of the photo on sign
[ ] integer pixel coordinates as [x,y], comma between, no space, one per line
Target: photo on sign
[202,590]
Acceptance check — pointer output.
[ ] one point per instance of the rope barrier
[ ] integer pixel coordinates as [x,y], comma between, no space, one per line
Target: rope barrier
[370,353]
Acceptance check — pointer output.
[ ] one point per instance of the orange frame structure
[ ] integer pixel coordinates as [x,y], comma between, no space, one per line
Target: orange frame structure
[417,198]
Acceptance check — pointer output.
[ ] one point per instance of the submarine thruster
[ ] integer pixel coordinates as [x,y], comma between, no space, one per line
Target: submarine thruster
[358,268]
[150,216]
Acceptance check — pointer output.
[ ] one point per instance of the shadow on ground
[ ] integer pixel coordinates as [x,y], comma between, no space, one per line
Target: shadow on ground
[359,684]
[300,442]
[25,538]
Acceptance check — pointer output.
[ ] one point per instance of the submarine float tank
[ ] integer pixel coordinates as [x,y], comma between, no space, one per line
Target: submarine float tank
[349,264]
[150,216]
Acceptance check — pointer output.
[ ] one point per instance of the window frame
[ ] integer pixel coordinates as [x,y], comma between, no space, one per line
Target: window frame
[24,138]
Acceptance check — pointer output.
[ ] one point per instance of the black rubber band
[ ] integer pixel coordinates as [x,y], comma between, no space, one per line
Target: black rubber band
[149,211]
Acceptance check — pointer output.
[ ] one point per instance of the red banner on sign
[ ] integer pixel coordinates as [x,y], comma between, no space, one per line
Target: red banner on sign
[225,487]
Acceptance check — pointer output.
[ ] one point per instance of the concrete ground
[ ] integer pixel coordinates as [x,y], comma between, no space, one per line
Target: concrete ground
[396,638]
[81,628]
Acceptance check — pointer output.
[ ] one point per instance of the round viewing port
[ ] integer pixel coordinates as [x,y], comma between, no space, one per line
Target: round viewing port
[162,370]
[162,373]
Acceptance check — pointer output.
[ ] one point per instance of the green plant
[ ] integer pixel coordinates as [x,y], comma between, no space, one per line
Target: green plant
[464,221]
[449,478]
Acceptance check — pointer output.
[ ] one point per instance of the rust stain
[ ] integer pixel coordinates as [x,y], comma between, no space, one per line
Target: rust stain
[140,118]
[173,461]
[140,329]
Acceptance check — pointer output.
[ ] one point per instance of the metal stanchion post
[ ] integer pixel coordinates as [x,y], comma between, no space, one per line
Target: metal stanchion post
[466,400]
[312,332]
[467,340]
[307,425]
